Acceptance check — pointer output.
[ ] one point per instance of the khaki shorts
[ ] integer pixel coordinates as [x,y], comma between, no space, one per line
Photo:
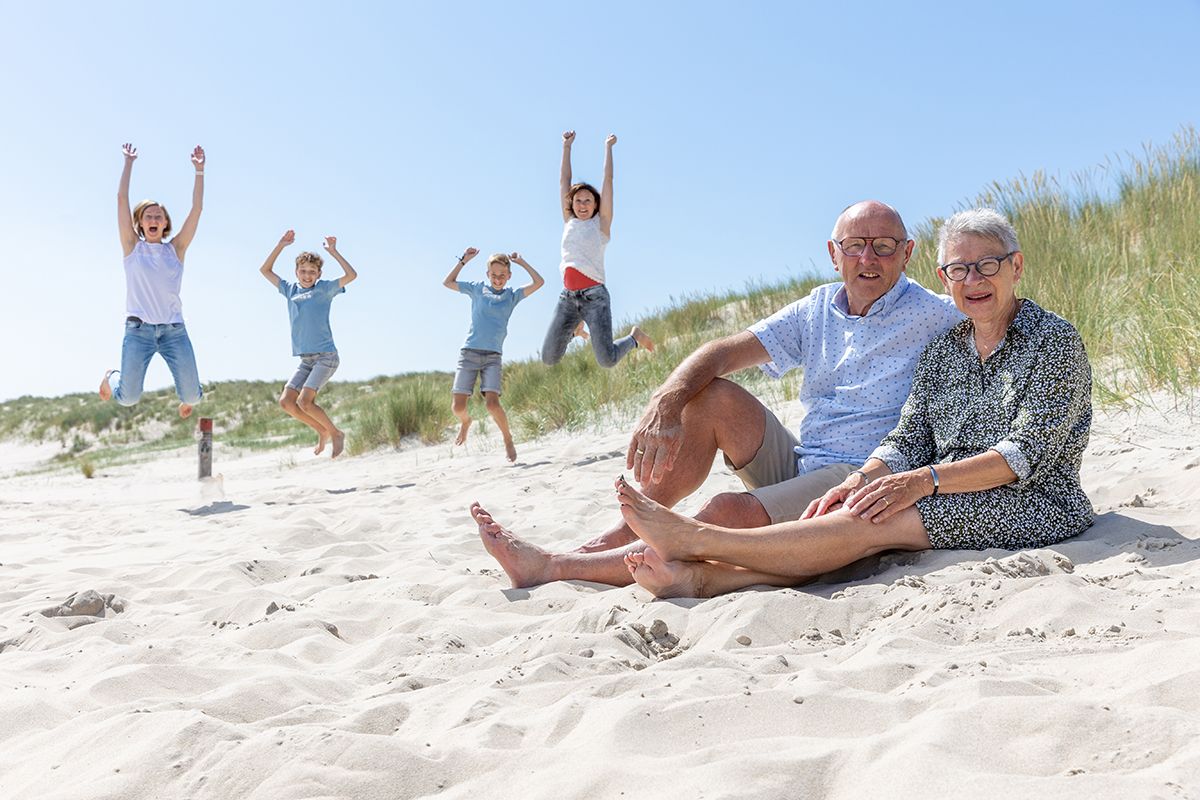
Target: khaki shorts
[772,477]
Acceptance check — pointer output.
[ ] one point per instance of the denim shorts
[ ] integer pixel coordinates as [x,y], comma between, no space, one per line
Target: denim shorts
[479,364]
[314,371]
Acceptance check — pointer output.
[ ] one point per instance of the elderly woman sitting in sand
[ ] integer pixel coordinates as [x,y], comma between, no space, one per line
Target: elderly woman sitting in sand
[986,453]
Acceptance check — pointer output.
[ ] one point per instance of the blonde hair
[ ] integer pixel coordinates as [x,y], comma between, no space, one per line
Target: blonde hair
[309,258]
[140,209]
[500,258]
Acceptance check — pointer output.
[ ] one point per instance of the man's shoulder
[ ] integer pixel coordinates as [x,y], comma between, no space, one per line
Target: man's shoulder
[928,302]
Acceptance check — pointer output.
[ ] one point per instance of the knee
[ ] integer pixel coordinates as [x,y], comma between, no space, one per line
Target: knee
[287,403]
[306,402]
[130,399]
[492,401]
[550,359]
[191,397]
[734,510]
[606,358]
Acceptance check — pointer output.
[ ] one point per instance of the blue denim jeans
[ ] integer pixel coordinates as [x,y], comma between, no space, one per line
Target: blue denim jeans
[142,341]
[593,306]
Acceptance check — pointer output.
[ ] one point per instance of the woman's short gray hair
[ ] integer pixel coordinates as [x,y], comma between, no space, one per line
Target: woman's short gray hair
[986,222]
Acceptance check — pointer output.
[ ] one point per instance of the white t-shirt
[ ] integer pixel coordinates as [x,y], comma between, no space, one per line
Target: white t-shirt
[583,247]
[153,277]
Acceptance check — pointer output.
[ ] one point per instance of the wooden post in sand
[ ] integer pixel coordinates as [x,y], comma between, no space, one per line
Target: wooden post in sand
[206,447]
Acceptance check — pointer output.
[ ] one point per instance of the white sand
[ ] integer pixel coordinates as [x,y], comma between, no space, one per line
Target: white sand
[1069,672]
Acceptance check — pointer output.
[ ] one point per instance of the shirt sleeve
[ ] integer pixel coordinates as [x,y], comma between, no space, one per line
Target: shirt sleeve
[782,335]
[911,443]
[517,295]
[331,288]
[284,288]
[1056,402]
[466,287]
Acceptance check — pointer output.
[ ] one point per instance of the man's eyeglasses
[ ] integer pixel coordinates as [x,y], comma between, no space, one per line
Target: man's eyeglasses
[987,267]
[883,246]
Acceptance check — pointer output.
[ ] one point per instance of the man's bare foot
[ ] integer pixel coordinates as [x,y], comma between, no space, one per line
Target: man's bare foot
[510,450]
[581,332]
[322,440]
[525,563]
[643,339]
[185,410]
[673,535]
[609,540]
[462,433]
[339,442]
[665,578]
[105,389]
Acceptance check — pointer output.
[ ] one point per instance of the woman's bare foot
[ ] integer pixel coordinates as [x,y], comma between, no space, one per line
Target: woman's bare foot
[525,563]
[665,578]
[581,332]
[322,440]
[462,432]
[673,535]
[185,410]
[643,339]
[339,443]
[105,389]
[510,450]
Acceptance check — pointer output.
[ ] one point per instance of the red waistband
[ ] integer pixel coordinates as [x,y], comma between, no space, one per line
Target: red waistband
[574,280]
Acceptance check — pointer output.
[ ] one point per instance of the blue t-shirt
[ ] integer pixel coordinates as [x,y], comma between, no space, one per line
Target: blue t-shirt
[490,311]
[308,310]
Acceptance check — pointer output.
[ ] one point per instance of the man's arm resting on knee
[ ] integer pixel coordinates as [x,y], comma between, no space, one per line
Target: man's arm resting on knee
[656,439]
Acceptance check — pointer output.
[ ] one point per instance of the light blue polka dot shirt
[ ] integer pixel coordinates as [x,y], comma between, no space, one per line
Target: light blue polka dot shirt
[857,370]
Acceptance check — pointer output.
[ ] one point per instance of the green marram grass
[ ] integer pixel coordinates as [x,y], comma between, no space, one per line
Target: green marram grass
[1115,251]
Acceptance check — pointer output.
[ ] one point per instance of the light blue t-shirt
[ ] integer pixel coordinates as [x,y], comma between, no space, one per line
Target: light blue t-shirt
[308,310]
[857,370]
[490,311]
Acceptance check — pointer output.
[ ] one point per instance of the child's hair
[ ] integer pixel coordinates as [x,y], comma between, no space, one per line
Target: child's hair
[500,258]
[140,209]
[576,189]
[310,258]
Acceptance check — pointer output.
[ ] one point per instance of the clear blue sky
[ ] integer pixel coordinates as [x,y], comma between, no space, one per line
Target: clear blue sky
[412,131]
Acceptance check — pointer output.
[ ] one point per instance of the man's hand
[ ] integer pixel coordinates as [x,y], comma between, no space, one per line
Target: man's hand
[656,442]
[833,499]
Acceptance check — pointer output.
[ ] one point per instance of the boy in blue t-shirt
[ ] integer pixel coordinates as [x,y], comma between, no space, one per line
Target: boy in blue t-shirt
[491,306]
[308,302]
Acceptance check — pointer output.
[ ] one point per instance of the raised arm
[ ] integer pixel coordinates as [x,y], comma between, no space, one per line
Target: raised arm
[564,175]
[451,280]
[268,267]
[348,273]
[129,237]
[537,279]
[606,191]
[659,432]
[182,239]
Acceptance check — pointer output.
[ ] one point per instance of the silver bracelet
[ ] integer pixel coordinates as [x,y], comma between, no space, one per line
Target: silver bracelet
[866,477]
[936,484]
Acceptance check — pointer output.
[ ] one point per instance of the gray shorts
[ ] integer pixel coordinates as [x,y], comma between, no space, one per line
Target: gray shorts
[314,371]
[774,480]
[477,364]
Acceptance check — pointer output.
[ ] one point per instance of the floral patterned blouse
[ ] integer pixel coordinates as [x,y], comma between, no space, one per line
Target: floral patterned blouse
[1030,401]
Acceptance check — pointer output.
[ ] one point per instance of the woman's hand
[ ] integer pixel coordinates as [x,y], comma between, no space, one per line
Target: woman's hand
[129,151]
[891,494]
[568,138]
[835,498]
[198,158]
[611,140]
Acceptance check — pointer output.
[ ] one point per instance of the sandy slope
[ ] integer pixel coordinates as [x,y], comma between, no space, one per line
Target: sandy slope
[398,663]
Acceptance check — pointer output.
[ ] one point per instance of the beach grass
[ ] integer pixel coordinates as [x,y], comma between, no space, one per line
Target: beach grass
[1116,251]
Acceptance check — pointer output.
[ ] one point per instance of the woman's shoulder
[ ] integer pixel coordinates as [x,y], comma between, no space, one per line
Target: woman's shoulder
[1043,325]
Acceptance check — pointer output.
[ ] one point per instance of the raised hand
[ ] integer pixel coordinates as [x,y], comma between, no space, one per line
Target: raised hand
[516,258]
[568,138]
[287,238]
[611,140]
[129,151]
[330,244]
[198,158]
[468,254]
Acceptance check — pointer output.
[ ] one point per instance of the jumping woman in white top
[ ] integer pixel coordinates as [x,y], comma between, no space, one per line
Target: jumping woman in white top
[153,277]
[588,216]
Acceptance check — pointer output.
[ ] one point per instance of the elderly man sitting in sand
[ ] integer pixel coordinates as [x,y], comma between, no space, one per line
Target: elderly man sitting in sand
[986,453]
[858,342]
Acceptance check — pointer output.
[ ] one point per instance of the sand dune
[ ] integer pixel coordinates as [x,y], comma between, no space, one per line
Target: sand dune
[309,629]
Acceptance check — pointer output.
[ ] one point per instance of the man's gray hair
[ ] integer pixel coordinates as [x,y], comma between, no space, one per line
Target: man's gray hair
[986,222]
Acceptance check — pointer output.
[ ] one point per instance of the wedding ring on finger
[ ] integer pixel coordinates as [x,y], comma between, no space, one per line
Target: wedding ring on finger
[886,502]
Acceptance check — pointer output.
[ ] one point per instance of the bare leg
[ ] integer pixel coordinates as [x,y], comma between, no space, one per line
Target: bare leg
[695,578]
[492,401]
[287,401]
[724,417]
[643,339]
[459,407]
[801,549]
[307,401]
[529,565]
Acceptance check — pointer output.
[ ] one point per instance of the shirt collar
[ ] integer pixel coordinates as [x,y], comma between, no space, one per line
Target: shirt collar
[883,305]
